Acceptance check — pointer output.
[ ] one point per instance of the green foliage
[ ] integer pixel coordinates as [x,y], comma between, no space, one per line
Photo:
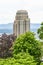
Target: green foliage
[42,63]
[41,35]
[27,43]
[26,51]
[42,23]
[40,31]
[20,59]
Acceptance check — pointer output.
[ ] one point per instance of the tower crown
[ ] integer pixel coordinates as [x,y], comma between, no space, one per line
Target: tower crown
[21,15]
[22,12]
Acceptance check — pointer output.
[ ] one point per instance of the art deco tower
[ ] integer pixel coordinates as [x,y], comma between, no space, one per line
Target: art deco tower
[21,23]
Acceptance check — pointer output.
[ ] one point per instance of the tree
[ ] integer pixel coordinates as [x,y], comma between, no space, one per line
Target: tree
[40,31]
[28,44]
[6,42]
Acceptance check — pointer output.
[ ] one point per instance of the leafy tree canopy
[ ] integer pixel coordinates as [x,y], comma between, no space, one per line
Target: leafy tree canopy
[27,43]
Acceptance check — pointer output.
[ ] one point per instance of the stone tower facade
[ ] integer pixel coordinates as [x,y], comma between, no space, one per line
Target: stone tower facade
[21,23]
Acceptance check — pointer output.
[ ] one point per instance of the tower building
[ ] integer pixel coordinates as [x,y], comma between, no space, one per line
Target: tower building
[21,23]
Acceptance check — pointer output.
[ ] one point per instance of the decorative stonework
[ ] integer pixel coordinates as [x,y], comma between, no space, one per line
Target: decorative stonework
[21,23]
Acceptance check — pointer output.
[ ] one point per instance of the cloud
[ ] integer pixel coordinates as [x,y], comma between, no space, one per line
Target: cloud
[8,9]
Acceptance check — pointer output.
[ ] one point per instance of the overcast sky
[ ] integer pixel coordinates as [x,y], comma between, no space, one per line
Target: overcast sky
[8,9]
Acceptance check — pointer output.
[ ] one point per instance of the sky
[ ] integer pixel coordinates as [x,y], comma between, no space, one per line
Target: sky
[8,9]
